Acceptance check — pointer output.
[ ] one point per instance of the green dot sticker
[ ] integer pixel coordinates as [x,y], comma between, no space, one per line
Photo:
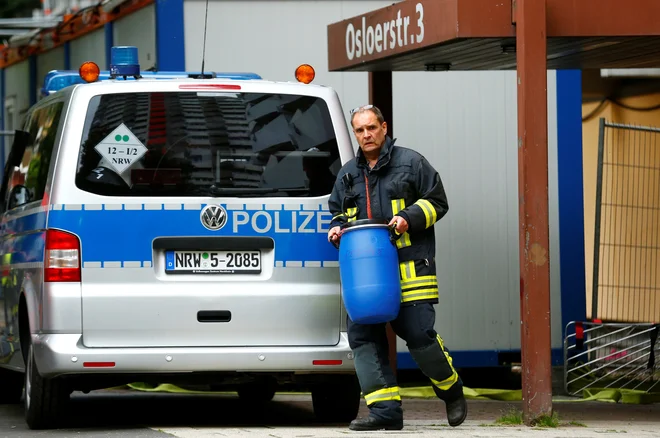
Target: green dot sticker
[117,137]
[205,255]
[125,138]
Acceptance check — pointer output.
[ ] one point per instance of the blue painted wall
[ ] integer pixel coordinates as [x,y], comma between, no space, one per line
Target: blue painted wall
[571,196]
[170,48]
[109,42]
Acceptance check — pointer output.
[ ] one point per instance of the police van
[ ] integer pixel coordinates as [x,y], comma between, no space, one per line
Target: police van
[172,227]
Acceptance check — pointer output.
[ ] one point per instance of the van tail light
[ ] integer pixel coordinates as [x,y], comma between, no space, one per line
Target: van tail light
[62,257]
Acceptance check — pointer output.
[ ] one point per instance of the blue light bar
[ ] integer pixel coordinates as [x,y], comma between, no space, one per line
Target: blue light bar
[58,79]
[124,61]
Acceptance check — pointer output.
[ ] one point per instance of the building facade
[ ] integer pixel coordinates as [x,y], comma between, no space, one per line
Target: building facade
[465,123]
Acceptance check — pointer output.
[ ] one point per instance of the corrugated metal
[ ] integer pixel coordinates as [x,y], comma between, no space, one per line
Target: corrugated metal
[91,47]
[464,122]
[563,53]
[138,29]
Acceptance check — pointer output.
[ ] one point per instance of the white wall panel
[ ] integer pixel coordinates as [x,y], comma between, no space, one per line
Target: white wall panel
[17,93]
[91,47]
[138,29]
[272,38]
[464,122]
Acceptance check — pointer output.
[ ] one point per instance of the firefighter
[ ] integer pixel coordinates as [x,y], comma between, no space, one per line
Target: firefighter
[403,187]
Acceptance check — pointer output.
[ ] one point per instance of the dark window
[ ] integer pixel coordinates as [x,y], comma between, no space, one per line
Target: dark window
[32,172]
[208,144]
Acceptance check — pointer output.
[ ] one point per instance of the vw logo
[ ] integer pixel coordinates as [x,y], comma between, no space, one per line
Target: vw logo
[213,217]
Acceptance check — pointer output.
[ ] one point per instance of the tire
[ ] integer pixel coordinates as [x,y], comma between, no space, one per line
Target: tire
[45,399]
[11,383]
[257,393]
[337,399]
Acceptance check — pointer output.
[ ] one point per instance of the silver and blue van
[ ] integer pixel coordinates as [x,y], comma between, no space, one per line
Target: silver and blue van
[172,227]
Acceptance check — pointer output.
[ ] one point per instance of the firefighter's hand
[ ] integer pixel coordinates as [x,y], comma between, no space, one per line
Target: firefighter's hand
[334,234]
[401,224]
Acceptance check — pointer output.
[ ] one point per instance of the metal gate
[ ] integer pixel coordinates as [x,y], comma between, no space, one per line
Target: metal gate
[618,348]
[626,263]
[611,356]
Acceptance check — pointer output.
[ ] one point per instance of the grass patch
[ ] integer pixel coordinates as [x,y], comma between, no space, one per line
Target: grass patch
[546,421]
[511,418]
[514,417]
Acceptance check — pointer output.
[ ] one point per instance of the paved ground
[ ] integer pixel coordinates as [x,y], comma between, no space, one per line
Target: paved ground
[135,415]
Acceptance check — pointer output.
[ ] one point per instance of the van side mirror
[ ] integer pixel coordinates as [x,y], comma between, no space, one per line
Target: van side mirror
[18,196]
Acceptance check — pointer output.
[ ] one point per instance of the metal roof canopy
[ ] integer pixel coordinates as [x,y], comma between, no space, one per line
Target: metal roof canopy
[481,35]
[530,36]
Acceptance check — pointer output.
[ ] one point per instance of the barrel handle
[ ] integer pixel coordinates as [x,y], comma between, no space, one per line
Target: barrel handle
[394,235]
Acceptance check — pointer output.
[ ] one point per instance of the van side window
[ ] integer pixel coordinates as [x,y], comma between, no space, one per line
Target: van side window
[32,172]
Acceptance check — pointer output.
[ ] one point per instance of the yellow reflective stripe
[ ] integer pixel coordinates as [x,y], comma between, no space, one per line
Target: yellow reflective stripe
[385,394]
[416,288]
[407,271]
[338,216]
[426,291]
[425,280]
[429,212]
[351,212]
[397,206]
[447,383]
[419,295]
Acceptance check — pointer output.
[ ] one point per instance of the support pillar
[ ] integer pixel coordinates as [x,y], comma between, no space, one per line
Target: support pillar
[531,53]
[380,94]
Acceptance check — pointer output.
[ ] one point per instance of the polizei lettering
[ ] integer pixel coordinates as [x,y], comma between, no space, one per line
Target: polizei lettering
[390,35]
[281,221]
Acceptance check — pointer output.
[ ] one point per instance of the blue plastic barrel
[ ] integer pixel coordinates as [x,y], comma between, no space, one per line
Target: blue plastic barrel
[369,271]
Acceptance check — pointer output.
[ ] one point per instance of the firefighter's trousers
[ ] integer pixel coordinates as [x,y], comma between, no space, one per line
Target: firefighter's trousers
[415,325]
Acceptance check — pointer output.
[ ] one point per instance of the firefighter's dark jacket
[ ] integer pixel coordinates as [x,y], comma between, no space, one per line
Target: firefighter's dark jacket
[402,183]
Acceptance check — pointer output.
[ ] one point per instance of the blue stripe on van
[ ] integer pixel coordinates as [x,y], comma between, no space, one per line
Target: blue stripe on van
[122,235]
[23,237]
[26,221]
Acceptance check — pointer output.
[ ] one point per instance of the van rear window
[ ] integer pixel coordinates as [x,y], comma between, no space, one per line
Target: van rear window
[208,144]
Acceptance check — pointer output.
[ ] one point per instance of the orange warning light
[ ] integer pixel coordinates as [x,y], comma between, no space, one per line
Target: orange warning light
[89,71]
[305,73]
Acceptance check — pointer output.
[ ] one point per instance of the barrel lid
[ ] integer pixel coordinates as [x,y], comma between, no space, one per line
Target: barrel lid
[362,222]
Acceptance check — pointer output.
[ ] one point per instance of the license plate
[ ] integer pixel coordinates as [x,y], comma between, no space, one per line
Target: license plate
[213,262]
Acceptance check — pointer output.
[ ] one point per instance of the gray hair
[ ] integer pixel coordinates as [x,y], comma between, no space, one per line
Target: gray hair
[373,108]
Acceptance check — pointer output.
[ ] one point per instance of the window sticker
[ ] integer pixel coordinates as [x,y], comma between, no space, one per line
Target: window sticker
[121,149]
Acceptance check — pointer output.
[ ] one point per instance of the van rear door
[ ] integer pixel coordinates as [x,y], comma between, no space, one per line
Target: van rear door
[208,221]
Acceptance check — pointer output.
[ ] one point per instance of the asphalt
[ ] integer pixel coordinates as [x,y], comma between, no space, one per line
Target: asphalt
[136,414]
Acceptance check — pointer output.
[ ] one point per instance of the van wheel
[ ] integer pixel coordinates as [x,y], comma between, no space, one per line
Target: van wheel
[11,383]
[257,393]
[45,399]
[337,399]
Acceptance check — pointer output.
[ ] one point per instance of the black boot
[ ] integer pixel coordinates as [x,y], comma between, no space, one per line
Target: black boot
[374,423]
[456,411]
[457,407]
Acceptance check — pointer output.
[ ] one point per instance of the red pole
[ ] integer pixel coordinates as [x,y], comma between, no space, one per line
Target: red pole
[531,49]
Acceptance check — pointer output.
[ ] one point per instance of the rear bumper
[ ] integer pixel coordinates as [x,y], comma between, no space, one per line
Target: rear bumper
[58,354]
